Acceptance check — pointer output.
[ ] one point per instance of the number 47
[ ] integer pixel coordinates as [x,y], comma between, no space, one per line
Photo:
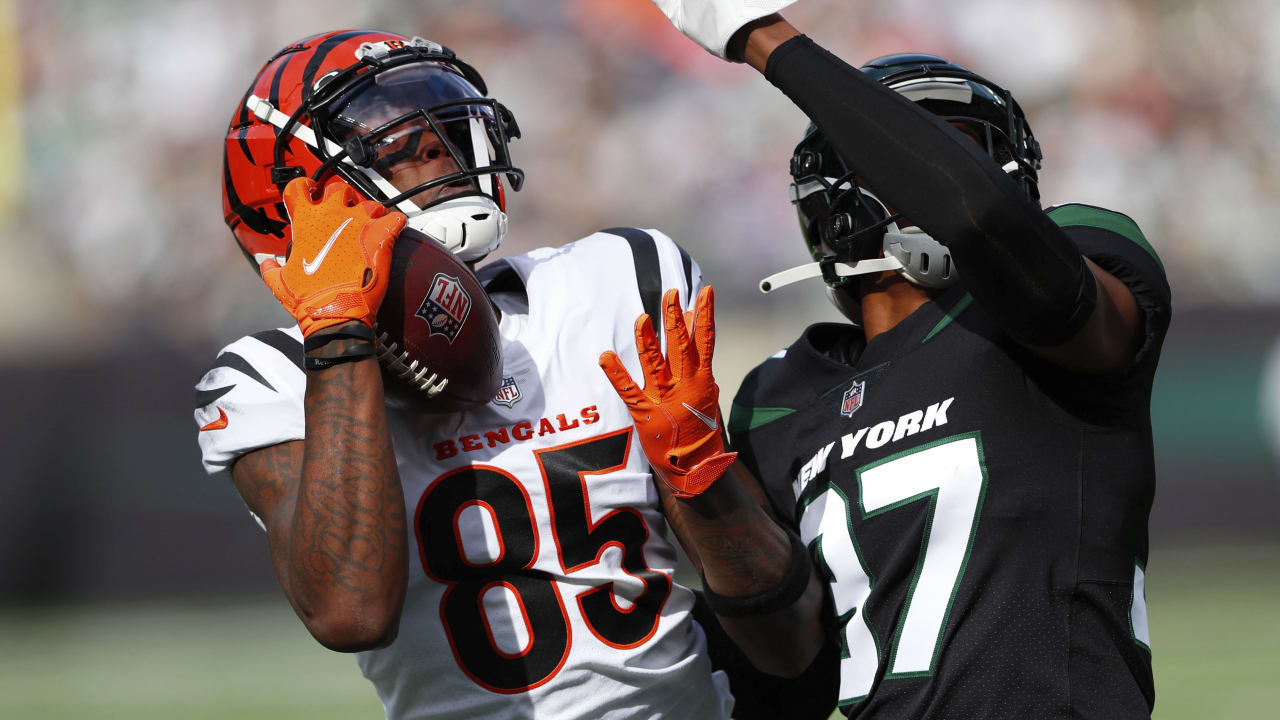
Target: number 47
[950,475]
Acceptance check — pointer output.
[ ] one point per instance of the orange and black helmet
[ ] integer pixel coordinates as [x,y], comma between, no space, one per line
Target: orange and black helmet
[350,105]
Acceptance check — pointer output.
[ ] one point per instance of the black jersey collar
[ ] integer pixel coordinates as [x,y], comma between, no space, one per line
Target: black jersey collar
[916,328]
[827,354]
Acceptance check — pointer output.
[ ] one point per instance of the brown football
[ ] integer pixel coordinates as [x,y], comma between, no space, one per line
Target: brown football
[438,340]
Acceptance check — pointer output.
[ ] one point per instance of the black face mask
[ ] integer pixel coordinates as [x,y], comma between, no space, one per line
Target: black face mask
[417,112]
[837,217]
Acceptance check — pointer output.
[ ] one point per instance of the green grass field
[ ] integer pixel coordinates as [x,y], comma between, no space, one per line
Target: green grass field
[1213,624]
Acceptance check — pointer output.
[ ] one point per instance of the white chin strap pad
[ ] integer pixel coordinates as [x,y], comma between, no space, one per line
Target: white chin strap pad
[470,227]
[814,270]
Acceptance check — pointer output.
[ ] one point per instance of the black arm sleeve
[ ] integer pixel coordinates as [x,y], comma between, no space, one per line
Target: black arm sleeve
[1019,265]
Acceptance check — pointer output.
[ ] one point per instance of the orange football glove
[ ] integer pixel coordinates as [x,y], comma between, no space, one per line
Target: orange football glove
[678,412]
[339,260]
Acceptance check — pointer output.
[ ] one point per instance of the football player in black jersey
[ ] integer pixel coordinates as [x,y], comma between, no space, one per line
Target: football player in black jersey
[969,461]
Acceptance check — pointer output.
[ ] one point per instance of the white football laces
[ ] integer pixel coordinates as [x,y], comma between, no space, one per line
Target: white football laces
[396,361]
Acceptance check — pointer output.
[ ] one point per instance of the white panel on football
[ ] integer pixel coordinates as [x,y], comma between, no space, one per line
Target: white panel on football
[506,619]
[477,531]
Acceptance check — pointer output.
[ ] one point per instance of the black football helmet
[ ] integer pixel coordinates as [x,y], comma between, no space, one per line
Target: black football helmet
[845,224]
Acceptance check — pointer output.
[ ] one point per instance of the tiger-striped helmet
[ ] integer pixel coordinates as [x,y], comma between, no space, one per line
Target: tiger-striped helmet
[372,108]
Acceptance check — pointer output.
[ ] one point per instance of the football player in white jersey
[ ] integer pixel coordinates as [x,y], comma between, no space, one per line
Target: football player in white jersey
[507,561]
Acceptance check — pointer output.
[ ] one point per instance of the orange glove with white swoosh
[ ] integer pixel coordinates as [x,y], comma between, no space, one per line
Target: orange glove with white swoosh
[677,414]
[340,258]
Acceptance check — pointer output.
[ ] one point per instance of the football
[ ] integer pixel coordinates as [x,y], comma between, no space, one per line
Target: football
[437,332]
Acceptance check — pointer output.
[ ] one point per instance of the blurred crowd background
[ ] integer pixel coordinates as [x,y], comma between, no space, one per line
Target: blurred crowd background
[120,280]
[114,114]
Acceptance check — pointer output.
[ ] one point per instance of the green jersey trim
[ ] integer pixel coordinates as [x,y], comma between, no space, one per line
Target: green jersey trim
[1089,216]
[742,418]
[961,305]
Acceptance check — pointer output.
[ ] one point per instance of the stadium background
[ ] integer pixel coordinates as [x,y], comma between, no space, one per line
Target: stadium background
[133,586]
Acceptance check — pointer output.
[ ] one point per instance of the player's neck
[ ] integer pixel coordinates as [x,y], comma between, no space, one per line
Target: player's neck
[887,299]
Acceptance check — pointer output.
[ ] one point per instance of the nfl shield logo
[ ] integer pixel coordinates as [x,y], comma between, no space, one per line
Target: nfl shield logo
[509,393]
[446,307]
[852,398]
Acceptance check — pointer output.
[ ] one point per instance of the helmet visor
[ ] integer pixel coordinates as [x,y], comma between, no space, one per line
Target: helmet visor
[427,131]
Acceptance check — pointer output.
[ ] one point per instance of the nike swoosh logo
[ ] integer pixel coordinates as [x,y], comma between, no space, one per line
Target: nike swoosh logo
[311,266]
[708,421]
[218,424]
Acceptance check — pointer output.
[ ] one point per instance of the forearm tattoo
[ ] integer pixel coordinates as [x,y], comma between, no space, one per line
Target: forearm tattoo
[733,543]
[349,528]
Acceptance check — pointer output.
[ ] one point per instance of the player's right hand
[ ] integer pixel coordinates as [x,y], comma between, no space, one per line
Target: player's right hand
[340,257]
[677,413]
[711,23]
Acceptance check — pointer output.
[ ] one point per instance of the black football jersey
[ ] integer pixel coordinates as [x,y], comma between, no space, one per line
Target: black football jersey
[979,514]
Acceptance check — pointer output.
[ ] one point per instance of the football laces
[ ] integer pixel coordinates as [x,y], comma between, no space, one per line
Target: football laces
[396,361]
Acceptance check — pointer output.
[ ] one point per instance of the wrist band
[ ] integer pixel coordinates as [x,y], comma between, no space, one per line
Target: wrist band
[319,339]
[784,595]
[351,354]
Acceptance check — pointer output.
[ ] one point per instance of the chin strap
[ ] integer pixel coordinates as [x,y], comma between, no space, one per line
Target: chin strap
[828,269]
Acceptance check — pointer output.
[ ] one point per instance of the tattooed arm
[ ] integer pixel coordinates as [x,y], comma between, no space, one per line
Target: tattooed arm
[733,539]
[334,510]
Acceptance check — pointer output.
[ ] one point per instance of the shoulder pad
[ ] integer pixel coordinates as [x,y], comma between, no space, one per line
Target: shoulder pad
[1081,215]
[764,396]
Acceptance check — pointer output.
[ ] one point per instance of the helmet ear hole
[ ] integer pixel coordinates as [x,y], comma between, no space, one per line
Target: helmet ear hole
[924,262]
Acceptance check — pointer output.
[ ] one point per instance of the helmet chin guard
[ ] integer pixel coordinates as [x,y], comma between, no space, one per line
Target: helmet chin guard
[469,226]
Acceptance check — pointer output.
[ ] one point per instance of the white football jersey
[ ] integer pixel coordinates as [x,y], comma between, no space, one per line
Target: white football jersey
[540,577]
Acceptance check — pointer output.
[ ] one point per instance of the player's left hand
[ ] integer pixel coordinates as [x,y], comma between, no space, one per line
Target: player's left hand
[677,414]
[711,23]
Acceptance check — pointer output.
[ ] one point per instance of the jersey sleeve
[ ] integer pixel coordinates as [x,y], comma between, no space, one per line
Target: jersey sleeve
[614,275]
[1122,398]
[658,265]
[251,398]
[1114,241]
